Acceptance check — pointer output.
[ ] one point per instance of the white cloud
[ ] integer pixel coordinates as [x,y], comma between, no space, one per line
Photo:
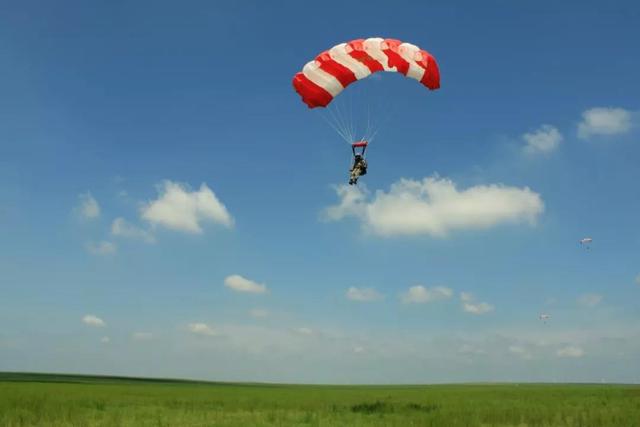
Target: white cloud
[590,300]
[570,351]
[121,228]
[471,349]
[259,313]
[88,207]
[92,320]
[101,248]
[470,305]
[419,294]
[353,202]
[142,336]
[363,294]
[604,121]
[435,207]
[515,349]
[201,329]
[276,353]
[241,284]
[304,331]
[179,209]
[519,351]
[544,140]
[105,340]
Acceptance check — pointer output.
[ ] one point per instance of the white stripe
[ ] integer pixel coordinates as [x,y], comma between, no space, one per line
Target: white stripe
[408,52]
[373,49]
[339,54]
[323,79]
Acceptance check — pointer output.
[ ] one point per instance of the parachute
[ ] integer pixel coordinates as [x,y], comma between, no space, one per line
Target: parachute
[545,317]
[323,78]
[586,242]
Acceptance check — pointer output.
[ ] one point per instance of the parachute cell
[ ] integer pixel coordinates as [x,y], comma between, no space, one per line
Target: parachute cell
[322,79]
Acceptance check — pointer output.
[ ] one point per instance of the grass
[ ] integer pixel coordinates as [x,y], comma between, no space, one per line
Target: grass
[71,400]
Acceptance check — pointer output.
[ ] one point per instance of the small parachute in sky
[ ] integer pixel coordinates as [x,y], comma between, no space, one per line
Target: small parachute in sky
[545,317]
[586,242]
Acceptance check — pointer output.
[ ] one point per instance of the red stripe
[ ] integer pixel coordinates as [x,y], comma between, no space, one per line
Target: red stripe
[358,53]
[344,75]
[395,60]
[312,94]
[431,77]
[316,96]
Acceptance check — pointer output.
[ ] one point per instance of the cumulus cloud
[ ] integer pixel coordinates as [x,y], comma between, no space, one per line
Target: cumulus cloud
[363,294]
[570,351]
[88,207]
[142,336]
[544,140]
[201,329]
[434,206]
[259,313]
[353,202]
[419,294]
[604,122]
[470,305]
[101,248]
[242,284]
[590,300]
[180,209]
[92,320]
[121,228]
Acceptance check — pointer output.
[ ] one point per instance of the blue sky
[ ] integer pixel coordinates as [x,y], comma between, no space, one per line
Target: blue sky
[166,198]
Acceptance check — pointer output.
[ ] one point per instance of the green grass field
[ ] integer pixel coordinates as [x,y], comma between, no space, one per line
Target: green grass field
[70,400]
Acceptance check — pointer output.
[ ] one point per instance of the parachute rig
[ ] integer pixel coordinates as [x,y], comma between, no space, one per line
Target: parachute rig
[329,73]
[586,242]
[359,166]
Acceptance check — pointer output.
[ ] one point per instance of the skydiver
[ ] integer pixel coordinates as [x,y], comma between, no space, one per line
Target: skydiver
[359,167]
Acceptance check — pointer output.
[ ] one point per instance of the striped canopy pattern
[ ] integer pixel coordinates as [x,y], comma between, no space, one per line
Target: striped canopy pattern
[329,73]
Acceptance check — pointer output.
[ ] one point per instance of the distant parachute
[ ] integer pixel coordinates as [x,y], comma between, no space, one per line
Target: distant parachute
[586,242]
[545,317]
[323,78]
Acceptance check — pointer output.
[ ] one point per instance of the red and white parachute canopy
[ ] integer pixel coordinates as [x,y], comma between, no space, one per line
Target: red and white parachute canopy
[324,78]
